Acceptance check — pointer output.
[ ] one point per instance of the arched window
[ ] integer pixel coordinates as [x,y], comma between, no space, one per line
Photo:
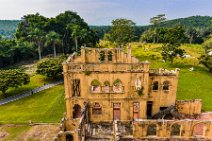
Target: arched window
[155,86]
[175,130]
[110,56]
[102,56]
[117,86]
[76,111]
[69,137]
[166,85]
[95,86]
[199,130]
[106,87]
[152,130]
[96,109]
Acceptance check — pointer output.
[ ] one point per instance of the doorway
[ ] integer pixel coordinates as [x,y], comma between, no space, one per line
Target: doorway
[149,109]
[116,111]
[136,108]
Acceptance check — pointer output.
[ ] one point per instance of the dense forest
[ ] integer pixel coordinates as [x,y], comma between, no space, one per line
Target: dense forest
[8,27]
[36,36]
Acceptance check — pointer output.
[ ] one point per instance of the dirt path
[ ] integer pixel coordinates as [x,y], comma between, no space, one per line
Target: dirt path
[35,133]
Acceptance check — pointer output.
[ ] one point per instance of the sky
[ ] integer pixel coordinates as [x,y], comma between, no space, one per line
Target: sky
[102,12]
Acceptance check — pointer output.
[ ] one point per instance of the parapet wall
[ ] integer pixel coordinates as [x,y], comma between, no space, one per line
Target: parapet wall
[142,129]
[189,107]
[189,129]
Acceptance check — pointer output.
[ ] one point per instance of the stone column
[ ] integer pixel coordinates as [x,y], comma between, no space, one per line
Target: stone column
[129,54]
[67,86]
[146,78]
[83,54]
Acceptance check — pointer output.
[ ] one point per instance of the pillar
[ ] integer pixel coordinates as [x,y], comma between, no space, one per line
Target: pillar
[67,86]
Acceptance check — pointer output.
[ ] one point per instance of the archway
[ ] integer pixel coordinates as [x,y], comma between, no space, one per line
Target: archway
[76,111]
[199,130]
[152,130]
[166,85]
[95,86]
[117,86]
[155,86]
[102,56]
[175,130]
[110,56]
[69,137]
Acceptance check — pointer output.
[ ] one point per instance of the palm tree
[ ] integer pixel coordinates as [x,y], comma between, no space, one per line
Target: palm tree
[76,29]
[37,37]
[53,38]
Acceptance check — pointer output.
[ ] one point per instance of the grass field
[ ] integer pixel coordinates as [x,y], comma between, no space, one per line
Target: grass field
[45,106]
[35,81]
[192,85]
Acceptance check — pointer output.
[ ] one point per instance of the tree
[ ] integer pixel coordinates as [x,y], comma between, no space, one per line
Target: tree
[12,78]
[50,67]
[206,60]
[208,44]
[77,33]
[28,24]
[170,51]
[65,24]
[53,38]
[158,19]
[6,52]
[122,31]
[38,38]
[173,38]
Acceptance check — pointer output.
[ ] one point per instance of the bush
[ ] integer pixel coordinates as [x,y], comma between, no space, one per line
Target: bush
[51,67]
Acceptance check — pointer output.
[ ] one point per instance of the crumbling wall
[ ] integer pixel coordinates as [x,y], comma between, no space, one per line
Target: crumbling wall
[100,131]
[125,128]
[189,107]
[164,129]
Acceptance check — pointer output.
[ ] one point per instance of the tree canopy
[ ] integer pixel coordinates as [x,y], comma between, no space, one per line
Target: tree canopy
[158,19]
[122,31]
[12,78]
[36,33]
[51,67]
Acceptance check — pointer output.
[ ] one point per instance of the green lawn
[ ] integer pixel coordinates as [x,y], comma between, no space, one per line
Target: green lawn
[196,85]
[45,106]
[192,85]
[35,81]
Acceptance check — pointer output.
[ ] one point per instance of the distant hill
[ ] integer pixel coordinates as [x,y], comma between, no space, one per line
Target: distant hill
[201,22]
[8,27]
[194,21]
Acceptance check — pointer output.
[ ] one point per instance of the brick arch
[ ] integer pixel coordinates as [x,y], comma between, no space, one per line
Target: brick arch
[152,129]
[198,128]
[95,86]
[76,111]
[166,85]
[102,56]
[110,55]
[69,137]
[117,86]
[176,129]
[176,122]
